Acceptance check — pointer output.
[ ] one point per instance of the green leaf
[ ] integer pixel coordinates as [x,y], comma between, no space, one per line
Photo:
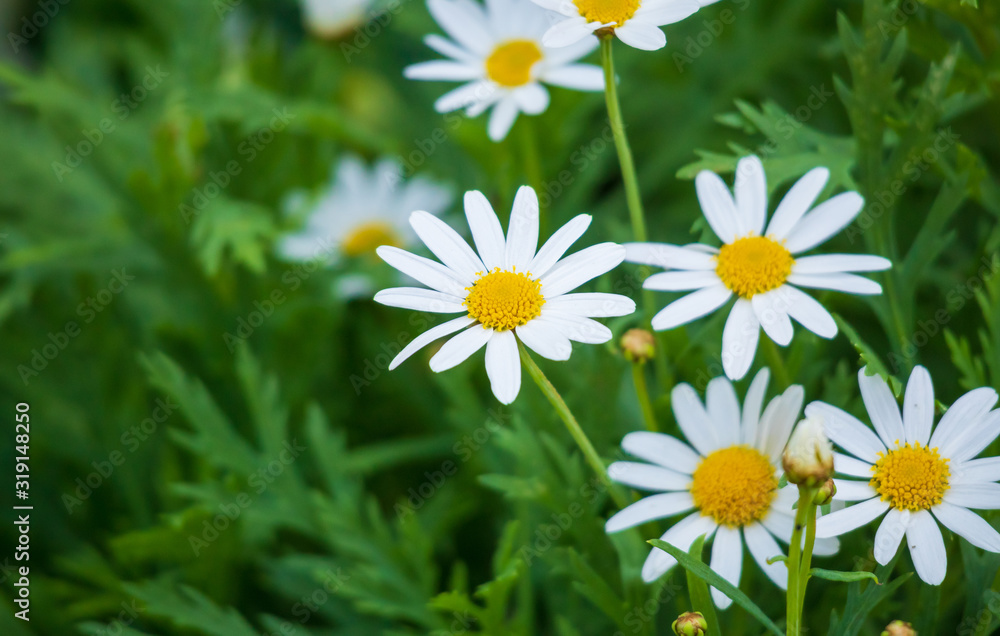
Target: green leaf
[708,575]
[843,577]
[701,598]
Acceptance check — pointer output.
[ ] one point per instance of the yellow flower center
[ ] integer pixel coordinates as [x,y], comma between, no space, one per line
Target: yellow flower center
[605,11]
[735,486]
[364,238]
[911,477]
[503,300]
[753,265]
[510,63]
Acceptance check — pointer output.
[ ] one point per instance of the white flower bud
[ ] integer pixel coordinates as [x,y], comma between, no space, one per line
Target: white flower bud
[808,458]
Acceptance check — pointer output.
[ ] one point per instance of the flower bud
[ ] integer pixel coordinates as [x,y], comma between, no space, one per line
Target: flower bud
[899,628]
[690,624]
[638,345]
[808,458]
[825,493]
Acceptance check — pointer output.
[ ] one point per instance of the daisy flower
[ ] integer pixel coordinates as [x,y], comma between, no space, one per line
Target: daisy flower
[915,475]
[330,19]
[728,476]
[762,268]
[361,209]
[509,291]
[497,51]
[635,22]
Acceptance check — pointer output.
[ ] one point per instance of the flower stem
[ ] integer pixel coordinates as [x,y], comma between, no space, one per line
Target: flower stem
[800,561]
[581,439]
[642,392]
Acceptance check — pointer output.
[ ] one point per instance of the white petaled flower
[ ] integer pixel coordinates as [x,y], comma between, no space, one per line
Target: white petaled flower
[497,51]
[919,474]
[728,476]
[361,209]
[635,22]
[333,18]
[509,291]
[761,267]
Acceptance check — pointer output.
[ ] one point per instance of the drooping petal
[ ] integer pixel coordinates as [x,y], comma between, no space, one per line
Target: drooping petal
[458,349]
[503,366]
[727,561]
[502,119]
[762,547]
[428,337]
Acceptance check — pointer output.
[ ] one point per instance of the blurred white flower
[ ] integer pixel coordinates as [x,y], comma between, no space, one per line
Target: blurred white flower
[497,51]
[333,18]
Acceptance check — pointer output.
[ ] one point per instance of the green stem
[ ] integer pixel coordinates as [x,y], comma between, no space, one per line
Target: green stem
[642,392]
[575,431]
[776,362]
[799,560]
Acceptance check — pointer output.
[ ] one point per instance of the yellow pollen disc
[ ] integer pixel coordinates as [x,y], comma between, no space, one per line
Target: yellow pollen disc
[510,63]
[753,265]
[503,300]
[735,486]
[605,11]
[364,238]
[911,477]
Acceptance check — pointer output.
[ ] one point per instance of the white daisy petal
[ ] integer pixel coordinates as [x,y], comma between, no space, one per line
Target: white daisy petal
[486,231]
[576,328]
[582,77]
[641,36]
[918,406]
[968,525]
[882,408]
[661,449]
[839,263]
[751,194]
[648,477]
[826,547]
[847,465]
[681,281]
[772,317]
[981,496]
[717,205]
[466,95]
[568,32]
[849,283]
[739,339]
[442,70]
[663,13]
[558,243]
[503,366]
[669,256]
[531,99]
[502,119]
[690,307]
[778,420]
[522,231]
[927,551]
[727,561]
[464,21]
[578,268]
[970,406]
[724,411]
[762,547]
[806,311]
[434,275]
[694,421]
[797,202]
[428,337]
[681,536]
[450,49]
[890,534]
[780,525]
[650,508]
[420,299]
[847,431]
[850,490]
[976,470]
[752,405]
[593,304]
[546,340]
[450,248]
[977,435]
[823,221]
[842,521]
[459,348]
